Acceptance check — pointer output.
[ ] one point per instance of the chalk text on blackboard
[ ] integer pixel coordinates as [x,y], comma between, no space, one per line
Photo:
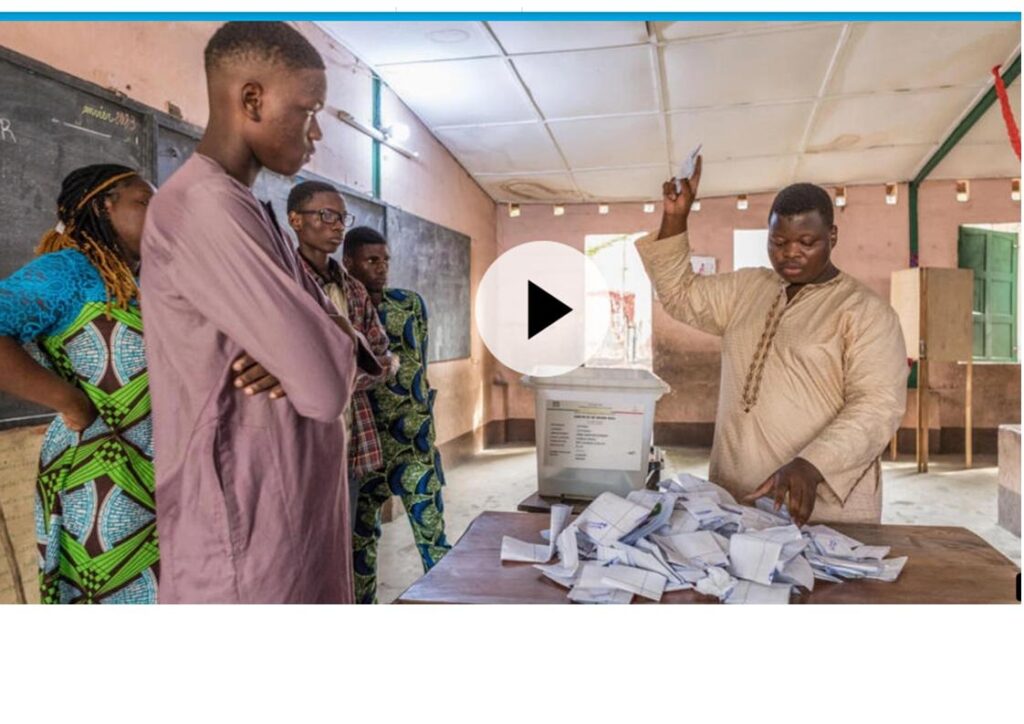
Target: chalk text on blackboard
[117,118]
[6,134]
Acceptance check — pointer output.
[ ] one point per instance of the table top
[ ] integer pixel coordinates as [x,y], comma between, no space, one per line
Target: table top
[537,503]
[946,565]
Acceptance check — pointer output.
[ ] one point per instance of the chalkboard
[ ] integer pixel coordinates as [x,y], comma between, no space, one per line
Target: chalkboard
[176,142]
[52,123]
[173,147]
[434,261]
[48,127]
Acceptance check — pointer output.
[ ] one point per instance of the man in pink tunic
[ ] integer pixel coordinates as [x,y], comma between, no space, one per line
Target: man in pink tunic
[250,488]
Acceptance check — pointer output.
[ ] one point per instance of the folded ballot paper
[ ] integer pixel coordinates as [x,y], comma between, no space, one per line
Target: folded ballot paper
[692,534]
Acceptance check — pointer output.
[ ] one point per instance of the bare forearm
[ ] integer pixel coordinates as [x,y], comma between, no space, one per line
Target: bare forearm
[25,378]
[672,225]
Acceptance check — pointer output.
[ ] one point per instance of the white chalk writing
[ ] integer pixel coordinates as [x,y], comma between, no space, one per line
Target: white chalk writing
[6,134]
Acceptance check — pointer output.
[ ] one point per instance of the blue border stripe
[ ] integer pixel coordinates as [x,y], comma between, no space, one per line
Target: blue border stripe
[498,16]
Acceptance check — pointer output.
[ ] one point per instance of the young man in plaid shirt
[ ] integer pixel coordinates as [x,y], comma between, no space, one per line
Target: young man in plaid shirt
[318,216]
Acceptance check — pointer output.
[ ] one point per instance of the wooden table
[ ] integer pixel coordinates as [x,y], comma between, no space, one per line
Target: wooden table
[947,565]
[537,503]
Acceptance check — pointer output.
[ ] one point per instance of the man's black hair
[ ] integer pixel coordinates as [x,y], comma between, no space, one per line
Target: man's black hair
[261,41]
[801,198]
[303,192]
[362,236]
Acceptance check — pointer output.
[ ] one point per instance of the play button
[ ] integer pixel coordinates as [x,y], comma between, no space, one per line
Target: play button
[543,308]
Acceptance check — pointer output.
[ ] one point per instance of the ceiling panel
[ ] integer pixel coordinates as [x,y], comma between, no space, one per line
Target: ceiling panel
[744,175]
[622,141]
[569,111]
[460,92]
[685,29]
[550,187]
[737,132]
[895,56]
[533,37]
[626,184]
[749,69]
[873,165]
[590,82]
[518,148]
[985,160]
[887,119]
[380,43]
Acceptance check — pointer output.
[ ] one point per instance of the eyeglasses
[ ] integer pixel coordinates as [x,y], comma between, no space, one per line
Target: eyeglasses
[330,216]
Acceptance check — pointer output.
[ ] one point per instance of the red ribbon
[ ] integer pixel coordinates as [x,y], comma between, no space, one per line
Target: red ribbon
[1004,102]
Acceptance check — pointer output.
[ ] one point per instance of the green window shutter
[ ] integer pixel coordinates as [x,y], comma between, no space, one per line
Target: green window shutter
[992,255]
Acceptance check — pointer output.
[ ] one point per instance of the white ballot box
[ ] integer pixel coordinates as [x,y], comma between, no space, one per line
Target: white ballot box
[594,428]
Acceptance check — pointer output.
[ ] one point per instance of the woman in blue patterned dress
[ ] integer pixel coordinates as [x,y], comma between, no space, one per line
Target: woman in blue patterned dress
[71,339]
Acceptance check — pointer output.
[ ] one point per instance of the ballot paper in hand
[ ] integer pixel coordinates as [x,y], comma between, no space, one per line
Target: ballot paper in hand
[513,549]
[688,167]
[767,505]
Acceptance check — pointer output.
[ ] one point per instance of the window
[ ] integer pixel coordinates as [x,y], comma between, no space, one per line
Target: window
[990,250]
[750,249]
[628,342]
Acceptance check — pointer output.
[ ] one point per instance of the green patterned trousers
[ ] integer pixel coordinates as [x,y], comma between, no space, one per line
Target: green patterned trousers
[417,479]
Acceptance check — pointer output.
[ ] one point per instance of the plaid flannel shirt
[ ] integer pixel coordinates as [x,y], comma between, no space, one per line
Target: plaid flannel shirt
[364,453]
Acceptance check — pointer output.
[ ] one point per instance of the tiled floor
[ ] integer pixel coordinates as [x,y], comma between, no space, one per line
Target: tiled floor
[498,479]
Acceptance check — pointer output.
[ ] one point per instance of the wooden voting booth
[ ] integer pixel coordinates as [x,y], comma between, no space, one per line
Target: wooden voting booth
[935,310]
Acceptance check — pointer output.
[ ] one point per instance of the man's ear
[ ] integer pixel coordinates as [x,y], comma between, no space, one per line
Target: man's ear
[833,236]
[252,100]
[295,221]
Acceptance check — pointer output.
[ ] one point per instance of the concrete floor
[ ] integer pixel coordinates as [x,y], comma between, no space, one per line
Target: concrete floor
[498,479]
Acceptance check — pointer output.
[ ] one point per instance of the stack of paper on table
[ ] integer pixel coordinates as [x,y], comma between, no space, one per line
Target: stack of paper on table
[693,534]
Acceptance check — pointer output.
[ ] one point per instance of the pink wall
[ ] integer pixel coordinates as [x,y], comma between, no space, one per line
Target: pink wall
[158,63]
[873,242]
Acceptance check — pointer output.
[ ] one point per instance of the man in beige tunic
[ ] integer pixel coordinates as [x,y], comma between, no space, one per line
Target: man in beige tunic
[814,366]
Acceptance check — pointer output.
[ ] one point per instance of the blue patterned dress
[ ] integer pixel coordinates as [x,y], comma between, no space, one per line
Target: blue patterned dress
[95,510]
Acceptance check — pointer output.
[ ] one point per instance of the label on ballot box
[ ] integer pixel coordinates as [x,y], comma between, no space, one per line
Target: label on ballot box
[594,436]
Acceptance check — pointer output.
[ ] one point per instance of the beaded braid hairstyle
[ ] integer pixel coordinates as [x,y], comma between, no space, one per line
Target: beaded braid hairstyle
[83,224]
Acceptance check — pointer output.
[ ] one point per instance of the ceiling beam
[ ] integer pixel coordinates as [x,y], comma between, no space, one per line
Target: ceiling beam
[661,93]
[826,81]
[973,115]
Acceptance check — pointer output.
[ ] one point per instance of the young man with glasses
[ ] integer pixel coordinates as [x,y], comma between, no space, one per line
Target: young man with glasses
[318,216]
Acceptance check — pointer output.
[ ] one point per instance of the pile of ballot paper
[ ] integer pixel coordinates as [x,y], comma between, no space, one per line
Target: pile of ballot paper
[692,534]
